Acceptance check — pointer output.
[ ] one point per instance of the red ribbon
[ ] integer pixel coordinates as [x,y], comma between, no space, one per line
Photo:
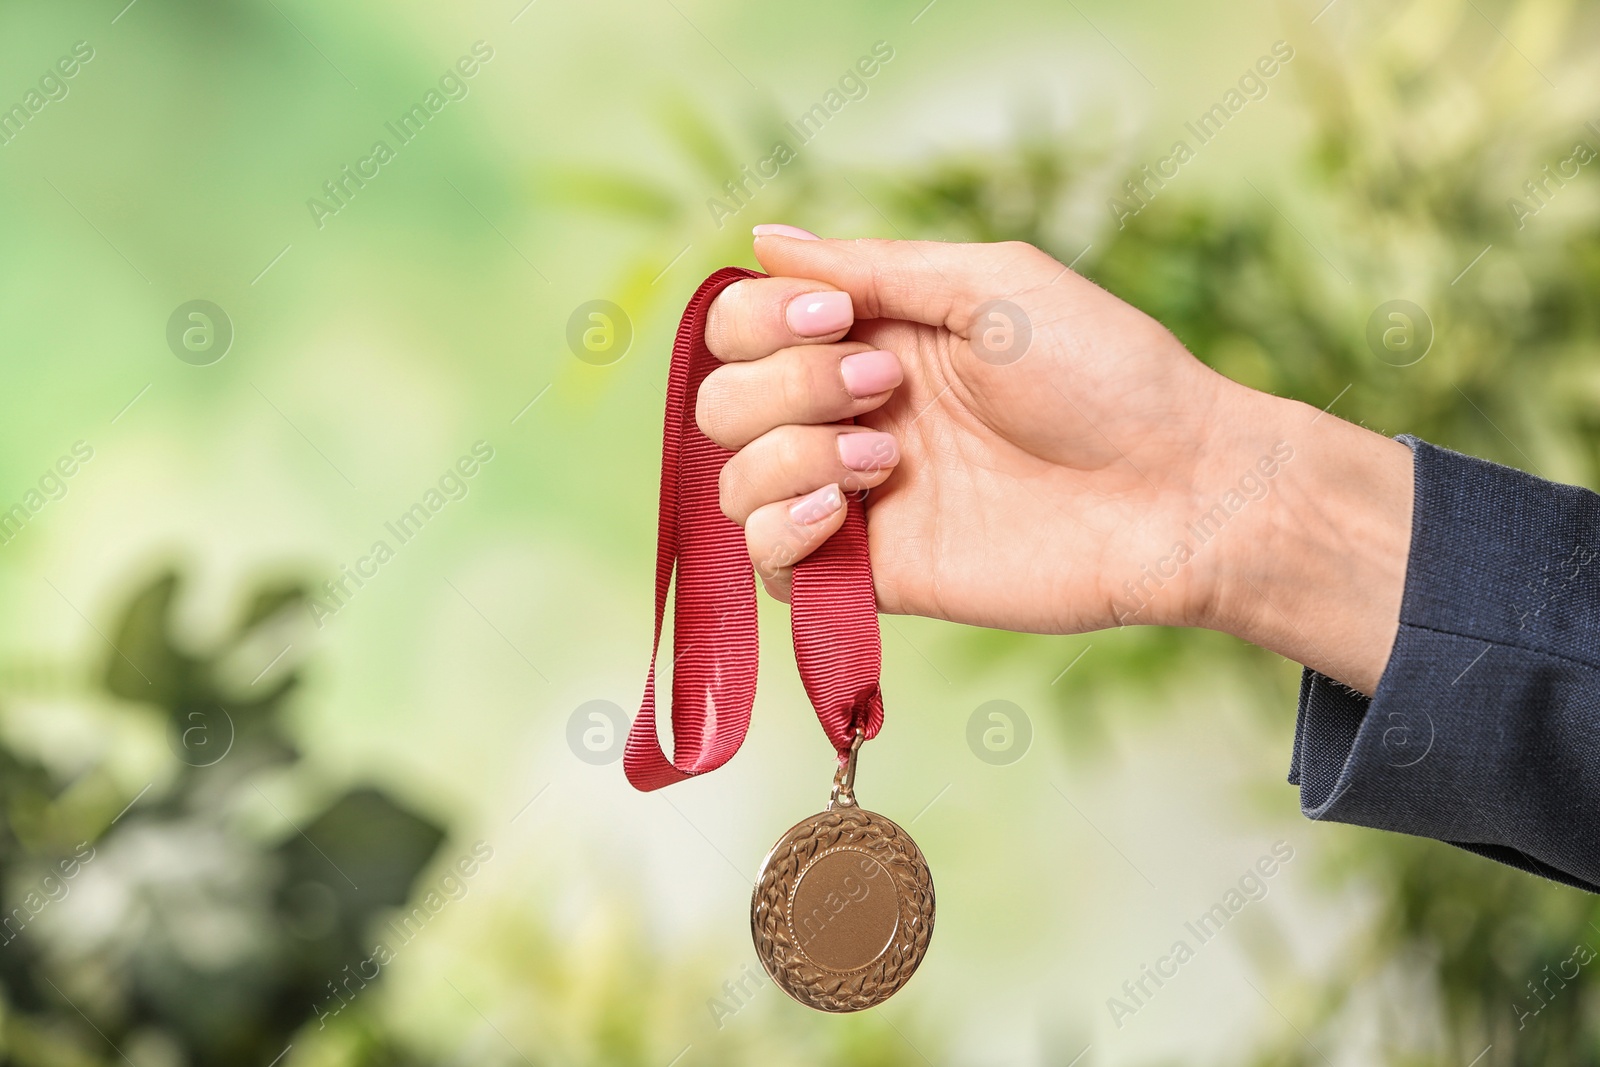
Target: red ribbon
[834,615]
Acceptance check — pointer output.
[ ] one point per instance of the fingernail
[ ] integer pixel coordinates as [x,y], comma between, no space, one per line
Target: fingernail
[870,373]
[819,314]
[868,451]
[816,506]
[778,229]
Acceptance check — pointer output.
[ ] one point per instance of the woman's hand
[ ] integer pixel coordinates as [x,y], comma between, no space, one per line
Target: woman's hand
[1040,455]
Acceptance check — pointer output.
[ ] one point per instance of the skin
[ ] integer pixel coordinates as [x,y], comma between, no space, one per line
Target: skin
[1045,487]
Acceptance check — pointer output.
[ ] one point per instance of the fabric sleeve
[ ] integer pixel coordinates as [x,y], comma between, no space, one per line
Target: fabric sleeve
[1485,728]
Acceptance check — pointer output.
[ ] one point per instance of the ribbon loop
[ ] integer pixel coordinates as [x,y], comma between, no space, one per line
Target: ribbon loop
[714,637]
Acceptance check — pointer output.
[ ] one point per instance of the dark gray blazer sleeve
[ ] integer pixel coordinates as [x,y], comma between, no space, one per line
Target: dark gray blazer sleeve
[1485,729]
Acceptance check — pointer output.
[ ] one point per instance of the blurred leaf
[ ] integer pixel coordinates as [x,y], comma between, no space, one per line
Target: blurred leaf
[617,194]
[143,664]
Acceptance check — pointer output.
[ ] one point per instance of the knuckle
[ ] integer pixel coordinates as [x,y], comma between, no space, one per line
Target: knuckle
[773,560]
[788,445]
[1023,253]
[793,388]
[714,413]
[723,325]
[728,497]
[881,282]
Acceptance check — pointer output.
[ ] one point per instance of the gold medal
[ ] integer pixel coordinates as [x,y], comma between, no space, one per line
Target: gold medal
[843,905]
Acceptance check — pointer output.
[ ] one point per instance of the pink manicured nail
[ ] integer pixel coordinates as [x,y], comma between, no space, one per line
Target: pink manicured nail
[816,506]
[870,373]
[868,451]
[778,229]
[819,314]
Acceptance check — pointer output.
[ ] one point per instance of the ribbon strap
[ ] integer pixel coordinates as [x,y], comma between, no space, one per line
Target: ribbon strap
[833,615]
[714,635]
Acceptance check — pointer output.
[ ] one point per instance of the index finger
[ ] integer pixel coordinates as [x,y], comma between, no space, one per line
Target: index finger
[755,317]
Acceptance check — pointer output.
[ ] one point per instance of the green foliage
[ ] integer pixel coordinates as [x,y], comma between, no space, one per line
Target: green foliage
[166,922]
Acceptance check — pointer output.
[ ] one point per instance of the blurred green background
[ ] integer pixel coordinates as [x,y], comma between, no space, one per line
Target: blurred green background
[252,821]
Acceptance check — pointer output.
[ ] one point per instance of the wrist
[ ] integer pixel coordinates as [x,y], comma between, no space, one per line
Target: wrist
[1314,568]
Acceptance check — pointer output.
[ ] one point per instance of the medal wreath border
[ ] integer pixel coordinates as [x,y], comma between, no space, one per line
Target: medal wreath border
[787,963]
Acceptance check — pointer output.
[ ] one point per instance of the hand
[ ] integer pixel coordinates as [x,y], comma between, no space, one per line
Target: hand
[1057,463]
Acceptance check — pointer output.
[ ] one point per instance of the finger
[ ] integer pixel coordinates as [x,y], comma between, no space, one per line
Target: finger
[781,534]
[754,317]
[808,384]
[791,460]
[930,282]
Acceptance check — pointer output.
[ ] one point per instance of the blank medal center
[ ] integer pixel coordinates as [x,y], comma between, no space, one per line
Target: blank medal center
[844,910]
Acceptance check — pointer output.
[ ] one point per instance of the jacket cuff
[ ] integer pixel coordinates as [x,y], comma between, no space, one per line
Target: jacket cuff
[1484,731]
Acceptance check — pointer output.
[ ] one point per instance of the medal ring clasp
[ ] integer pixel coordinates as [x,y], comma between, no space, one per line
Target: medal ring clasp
[844,779]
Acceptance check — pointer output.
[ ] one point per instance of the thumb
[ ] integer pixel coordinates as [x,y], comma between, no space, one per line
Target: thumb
[930,282]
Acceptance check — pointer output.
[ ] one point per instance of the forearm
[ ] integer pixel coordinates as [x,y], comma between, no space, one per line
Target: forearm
[1316,569]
